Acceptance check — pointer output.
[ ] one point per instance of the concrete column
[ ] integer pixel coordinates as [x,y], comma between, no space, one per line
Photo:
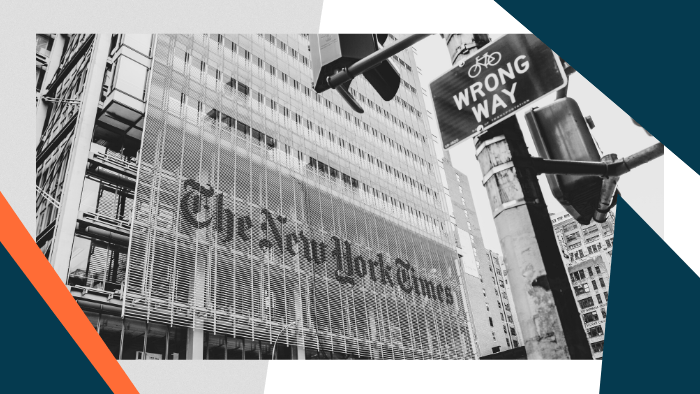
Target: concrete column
[299,353]
[195,344]
[544,301]
[75,173]
[54,61]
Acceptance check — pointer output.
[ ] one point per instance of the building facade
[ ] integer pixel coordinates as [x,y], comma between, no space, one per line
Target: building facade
[483,278]
[587,252]
[498,267]
[44,43]
[201,201]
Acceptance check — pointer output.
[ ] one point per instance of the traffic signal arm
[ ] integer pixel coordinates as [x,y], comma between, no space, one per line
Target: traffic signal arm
[570,167]
[349,99]
[373,60]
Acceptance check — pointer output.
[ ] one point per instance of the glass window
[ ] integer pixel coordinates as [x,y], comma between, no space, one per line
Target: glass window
[131,77]
[134,334]
[94,318]
[111,333]
[88,201]
[180,58]
[590,316]
[313,354]
[97,264]
[42,43]
[177,343]
[283,352]
[266,350]
[234,348]
[597,346]
[595,331]
[155,341]
[77,274]
[214,346]
[586,302]
[251,349]
[139,42]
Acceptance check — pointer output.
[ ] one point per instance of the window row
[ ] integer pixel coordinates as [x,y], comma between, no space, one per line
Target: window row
[219,77]
[595,331]
[273,40]
[580,275]
[597,346]
[588,302]
[354,183]
[227,347]
[579,254]
[229,121]
[233,47]
[129,339]
[287,49]
[402,63]
[248,132]
[590,229]
[50,176]
[381,111]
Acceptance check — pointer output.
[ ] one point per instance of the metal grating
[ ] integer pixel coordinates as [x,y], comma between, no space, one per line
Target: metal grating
[229,236]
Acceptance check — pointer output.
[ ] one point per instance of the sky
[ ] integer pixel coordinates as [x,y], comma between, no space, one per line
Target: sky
[614,133]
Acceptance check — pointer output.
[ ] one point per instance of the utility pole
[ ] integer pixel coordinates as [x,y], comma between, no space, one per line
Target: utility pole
[543,298]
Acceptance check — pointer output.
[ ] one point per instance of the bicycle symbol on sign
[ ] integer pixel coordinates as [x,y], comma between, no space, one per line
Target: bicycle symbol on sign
[486,60]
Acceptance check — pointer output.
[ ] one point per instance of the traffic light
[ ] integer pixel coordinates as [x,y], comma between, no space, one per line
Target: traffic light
[331,53]
[560,132]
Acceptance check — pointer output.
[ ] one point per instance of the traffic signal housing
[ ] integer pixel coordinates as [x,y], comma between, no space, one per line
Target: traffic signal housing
[560,132]
[331,53]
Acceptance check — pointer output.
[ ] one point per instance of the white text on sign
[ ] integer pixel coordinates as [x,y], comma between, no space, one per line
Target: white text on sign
[492,82]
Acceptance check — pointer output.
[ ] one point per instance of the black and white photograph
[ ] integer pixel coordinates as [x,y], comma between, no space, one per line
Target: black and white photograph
[329,196]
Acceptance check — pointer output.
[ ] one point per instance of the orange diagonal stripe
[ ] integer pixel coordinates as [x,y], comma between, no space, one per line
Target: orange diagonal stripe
[31,260]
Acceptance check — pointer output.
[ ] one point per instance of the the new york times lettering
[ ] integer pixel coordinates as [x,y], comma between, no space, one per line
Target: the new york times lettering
[202,207]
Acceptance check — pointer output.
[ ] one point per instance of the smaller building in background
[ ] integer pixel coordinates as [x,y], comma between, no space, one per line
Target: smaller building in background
[495,327]
[587,252]
[500,272]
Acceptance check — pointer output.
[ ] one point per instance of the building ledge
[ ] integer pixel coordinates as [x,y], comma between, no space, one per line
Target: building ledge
[96,299]
[121,167]
[123,113]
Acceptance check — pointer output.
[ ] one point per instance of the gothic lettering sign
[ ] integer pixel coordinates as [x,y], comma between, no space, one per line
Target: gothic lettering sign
[493,84]
[349,267]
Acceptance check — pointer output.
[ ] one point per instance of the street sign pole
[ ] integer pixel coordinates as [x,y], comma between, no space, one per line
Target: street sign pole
[543,298]
[544,301]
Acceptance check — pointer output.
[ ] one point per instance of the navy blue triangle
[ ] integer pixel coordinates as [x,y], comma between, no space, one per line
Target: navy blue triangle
[38,353]
[641,55]
[652,294]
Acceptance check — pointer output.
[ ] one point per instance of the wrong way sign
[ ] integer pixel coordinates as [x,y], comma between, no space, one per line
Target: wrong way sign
[493,84]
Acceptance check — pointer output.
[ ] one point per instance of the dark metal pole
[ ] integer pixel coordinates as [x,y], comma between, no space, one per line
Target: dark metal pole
[642,157]
[373,60]
[564,167]
[616,168]
[349,99]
